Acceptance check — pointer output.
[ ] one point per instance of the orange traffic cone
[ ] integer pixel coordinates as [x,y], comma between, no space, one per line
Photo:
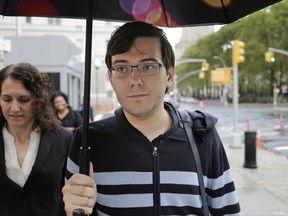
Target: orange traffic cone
[258,140]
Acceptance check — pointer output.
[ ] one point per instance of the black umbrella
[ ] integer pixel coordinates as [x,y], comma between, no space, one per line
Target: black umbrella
[168,13]
[159,12]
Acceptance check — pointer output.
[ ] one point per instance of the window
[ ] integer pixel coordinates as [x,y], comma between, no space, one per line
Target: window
[28,20]
[54,21]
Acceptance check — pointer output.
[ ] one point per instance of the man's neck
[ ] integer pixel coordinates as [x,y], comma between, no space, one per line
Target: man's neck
[151,125]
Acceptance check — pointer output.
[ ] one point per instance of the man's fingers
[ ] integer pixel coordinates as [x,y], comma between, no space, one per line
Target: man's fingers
[81,179]
[79,192]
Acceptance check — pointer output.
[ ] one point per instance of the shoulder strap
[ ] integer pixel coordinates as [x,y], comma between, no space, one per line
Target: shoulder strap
[186,122]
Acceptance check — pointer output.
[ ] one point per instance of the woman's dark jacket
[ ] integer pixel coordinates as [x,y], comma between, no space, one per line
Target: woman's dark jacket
[41,195]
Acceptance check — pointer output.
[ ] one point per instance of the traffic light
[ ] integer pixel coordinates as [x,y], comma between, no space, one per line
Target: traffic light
[238,52]
[205,66]
[269,56]
[201,75]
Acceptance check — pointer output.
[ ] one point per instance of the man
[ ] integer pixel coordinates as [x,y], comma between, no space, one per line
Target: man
[142,160]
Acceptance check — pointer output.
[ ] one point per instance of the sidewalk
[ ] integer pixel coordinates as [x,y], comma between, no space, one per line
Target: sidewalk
[263,190]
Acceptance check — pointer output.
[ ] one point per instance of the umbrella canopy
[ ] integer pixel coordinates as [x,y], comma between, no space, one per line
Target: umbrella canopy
[160,12]
[168,13]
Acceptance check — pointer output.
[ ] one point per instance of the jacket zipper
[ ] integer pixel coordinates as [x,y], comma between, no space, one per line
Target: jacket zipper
[156,181]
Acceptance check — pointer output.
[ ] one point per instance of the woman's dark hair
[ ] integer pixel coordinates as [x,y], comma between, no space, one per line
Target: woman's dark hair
[123,38]
[59,94]
[39,86]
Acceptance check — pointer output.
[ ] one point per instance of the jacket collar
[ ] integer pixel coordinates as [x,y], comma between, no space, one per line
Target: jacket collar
[44,147]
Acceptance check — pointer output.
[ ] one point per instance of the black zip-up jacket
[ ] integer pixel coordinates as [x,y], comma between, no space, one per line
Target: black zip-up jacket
[137,177]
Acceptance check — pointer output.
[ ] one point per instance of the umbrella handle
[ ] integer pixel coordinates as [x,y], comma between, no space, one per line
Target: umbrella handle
[78,212]
[84,160]
[84,163]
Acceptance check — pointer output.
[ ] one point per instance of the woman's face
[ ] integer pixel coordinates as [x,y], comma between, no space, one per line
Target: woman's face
[16,104]
[60,103]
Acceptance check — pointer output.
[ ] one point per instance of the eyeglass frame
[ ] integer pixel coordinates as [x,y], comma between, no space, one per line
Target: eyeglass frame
[130,67]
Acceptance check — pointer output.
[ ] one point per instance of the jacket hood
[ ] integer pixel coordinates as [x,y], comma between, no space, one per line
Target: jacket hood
[202,122]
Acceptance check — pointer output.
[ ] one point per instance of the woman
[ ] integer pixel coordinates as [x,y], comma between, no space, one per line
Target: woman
[33,145]
[70,119]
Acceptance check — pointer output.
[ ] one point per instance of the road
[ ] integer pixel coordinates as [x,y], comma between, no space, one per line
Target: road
[270,122]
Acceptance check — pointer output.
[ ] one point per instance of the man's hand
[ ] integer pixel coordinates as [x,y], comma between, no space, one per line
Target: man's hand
[80,192]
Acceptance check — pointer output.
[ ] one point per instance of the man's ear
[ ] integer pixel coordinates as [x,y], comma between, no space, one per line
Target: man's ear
[170,74]
[109,76]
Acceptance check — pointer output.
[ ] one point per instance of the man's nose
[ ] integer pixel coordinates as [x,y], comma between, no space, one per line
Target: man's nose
[135,77]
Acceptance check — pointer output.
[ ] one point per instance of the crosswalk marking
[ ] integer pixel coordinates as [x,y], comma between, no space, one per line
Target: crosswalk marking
[281,148]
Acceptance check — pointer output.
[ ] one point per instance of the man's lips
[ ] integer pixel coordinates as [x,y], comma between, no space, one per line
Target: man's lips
[137,95]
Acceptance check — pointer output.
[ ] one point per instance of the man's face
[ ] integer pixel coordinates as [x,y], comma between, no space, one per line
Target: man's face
[139,94]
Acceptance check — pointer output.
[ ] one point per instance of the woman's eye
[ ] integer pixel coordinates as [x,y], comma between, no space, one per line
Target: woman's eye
[24,100]
[6,99]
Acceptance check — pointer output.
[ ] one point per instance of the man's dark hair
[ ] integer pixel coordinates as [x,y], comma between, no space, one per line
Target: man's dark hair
[123,38]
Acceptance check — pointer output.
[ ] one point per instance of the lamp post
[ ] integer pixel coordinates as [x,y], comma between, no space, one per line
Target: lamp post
[97,65]
[220,59]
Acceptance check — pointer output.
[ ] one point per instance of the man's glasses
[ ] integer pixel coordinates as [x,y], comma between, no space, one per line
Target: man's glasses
[147,69]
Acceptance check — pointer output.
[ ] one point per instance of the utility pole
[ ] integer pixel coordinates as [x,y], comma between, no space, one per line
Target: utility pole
[278,51]
[269,57]
[238,57]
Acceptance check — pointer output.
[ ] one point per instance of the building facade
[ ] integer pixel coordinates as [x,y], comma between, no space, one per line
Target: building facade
[190,36]
[57,46]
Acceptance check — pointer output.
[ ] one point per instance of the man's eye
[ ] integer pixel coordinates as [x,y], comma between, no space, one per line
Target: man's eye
[121,69]
[147,67]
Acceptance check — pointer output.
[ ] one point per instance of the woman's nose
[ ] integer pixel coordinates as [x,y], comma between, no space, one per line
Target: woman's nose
[15,107]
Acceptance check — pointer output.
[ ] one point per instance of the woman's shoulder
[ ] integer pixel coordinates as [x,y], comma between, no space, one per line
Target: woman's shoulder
[59,131]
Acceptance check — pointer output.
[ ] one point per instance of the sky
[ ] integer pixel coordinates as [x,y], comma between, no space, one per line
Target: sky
[174,34]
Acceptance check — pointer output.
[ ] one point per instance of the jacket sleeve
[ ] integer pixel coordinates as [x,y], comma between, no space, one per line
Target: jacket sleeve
[219,184]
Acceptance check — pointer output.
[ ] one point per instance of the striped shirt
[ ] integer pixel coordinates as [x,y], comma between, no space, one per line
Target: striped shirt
[137,177]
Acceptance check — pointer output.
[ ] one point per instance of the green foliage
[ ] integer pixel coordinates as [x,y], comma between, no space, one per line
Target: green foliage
[259,31]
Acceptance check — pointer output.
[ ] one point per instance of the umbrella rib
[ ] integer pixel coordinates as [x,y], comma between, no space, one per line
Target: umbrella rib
[164,11]
[225,11]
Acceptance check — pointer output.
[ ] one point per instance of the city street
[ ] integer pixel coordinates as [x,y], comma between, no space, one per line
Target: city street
[271,122]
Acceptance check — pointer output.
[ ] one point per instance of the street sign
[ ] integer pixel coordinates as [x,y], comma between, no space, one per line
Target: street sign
[221,76]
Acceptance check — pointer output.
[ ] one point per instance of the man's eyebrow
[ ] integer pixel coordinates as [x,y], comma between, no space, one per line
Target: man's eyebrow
[141,61]
[149,59]
[120,61]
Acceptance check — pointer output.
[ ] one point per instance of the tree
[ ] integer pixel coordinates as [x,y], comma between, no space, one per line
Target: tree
[261,30]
